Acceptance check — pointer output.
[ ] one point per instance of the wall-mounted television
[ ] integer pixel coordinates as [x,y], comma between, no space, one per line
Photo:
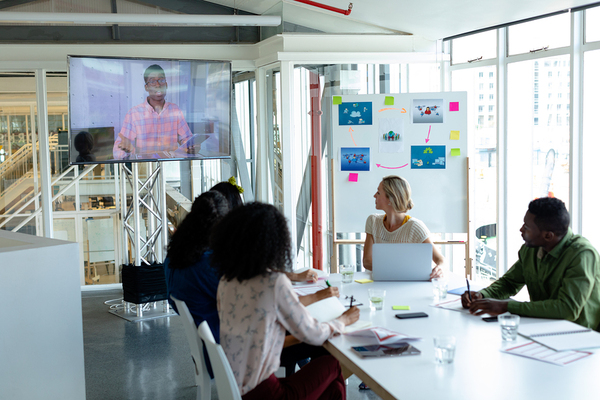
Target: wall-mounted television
[142,109]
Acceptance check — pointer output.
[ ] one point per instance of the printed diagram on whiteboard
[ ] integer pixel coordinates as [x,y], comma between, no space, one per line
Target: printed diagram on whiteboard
[360,113]
[428,157]
[428,111]
[355,159]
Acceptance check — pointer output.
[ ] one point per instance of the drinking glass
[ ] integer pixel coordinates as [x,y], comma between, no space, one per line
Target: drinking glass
[376,298]
[445,347]
[509,326]
[347,272]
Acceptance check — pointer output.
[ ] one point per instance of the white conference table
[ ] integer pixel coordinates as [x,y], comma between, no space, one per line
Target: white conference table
[480,370]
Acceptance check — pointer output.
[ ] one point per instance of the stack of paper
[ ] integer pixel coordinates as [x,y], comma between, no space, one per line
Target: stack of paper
[329,309]
[382,335]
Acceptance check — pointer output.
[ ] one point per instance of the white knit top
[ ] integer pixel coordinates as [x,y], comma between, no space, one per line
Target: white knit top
[412,231]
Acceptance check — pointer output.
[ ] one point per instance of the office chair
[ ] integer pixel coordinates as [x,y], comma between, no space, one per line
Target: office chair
[226,385]
[196,346]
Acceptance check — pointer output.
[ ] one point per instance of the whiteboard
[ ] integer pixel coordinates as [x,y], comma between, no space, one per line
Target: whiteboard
[394,139]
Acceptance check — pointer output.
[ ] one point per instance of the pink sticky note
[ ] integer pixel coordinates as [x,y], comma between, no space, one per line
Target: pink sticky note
[353,177]
[454,106]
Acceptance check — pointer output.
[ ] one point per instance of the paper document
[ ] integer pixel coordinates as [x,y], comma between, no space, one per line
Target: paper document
[329,309]
[539,352]
[381,335]
[326,310]
[305,288]
[561,335]
[452,304]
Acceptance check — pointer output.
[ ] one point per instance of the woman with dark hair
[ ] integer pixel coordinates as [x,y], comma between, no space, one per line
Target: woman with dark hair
[188,270]
[257,303]
[231,191]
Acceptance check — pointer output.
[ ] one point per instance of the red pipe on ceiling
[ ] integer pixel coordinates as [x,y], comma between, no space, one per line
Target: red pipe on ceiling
[326,7]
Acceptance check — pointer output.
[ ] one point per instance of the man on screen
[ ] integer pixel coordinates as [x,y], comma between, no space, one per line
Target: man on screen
[155,125]
[561,271]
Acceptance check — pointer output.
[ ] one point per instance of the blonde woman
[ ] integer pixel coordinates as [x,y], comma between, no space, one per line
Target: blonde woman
[396,226]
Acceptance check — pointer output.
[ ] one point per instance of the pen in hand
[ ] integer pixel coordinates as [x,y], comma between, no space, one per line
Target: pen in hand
[328,284]
[469,290]
[351,301]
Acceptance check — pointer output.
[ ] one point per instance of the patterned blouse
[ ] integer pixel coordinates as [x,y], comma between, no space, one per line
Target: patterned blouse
[254,316]
[412,231]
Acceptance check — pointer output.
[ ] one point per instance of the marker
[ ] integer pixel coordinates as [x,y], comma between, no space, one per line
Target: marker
[328,284]
[469,290]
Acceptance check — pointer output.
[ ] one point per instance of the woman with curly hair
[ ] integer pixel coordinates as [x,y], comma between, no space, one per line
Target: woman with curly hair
[257,303]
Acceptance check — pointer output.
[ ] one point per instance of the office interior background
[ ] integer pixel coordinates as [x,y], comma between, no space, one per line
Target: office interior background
[530,72]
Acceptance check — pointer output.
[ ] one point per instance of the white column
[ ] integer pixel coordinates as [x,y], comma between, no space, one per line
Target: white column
[42,112]
[502,161]
[288,155]
[262,139]
[576,128]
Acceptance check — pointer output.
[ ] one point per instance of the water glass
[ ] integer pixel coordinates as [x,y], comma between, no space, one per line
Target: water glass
[347,272]
[445,347]
[509,325]
[440,288]
[376,298]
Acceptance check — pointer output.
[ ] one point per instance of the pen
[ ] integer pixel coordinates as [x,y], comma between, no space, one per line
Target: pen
[351,300]
[328,284]
[469,290]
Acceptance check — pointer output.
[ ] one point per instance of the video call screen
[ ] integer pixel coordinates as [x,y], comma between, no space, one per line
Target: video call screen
[138,109]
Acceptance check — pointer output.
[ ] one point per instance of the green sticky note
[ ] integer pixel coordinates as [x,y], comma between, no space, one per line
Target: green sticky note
[337,100]
[389,100]
[363,281]
[455,152]
[454,135]
[400,307]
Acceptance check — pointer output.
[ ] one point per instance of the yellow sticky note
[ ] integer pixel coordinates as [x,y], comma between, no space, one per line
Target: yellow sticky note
[363,281]
[454,135]
[337,100]
[400,307]
[389,100]
[455,152]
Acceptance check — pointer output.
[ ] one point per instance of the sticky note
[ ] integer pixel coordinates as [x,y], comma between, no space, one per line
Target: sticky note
[454,106]
[389,100]
[337,100]
[455,152]
[363,281]
[454,135]
[353,177]
[400,307]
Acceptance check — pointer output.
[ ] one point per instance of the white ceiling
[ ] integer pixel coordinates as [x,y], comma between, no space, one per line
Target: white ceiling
[433,19]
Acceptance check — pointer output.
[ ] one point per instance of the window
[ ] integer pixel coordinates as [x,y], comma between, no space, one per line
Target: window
[558,106]
[491,97]
[553,32]
[480,108]
[491,109]
[491,85]
[481,74]
[536,143]
[481,86]
[474,46]
[549,74]
[491,75]
[592,24]
[480,97]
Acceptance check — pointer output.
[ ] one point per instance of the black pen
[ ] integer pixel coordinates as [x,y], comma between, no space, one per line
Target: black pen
[351,300]
[469,290]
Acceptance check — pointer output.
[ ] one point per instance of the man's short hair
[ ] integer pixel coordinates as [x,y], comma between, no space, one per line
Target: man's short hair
[151,69]
[550,215]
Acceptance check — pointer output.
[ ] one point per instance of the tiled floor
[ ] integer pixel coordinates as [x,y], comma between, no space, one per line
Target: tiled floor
[144,360]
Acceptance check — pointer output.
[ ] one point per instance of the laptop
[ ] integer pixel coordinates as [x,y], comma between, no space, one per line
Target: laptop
[402,261]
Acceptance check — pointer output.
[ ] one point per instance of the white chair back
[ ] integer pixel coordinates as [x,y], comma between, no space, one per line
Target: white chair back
[196,346]
[226,385]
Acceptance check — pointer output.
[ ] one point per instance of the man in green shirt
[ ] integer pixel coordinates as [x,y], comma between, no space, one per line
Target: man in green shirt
[561,271]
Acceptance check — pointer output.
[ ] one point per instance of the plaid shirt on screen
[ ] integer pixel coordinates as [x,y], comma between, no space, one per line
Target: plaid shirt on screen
[151,132]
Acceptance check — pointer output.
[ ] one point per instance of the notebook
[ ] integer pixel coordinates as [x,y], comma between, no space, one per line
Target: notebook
[561,335]
[402,261]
